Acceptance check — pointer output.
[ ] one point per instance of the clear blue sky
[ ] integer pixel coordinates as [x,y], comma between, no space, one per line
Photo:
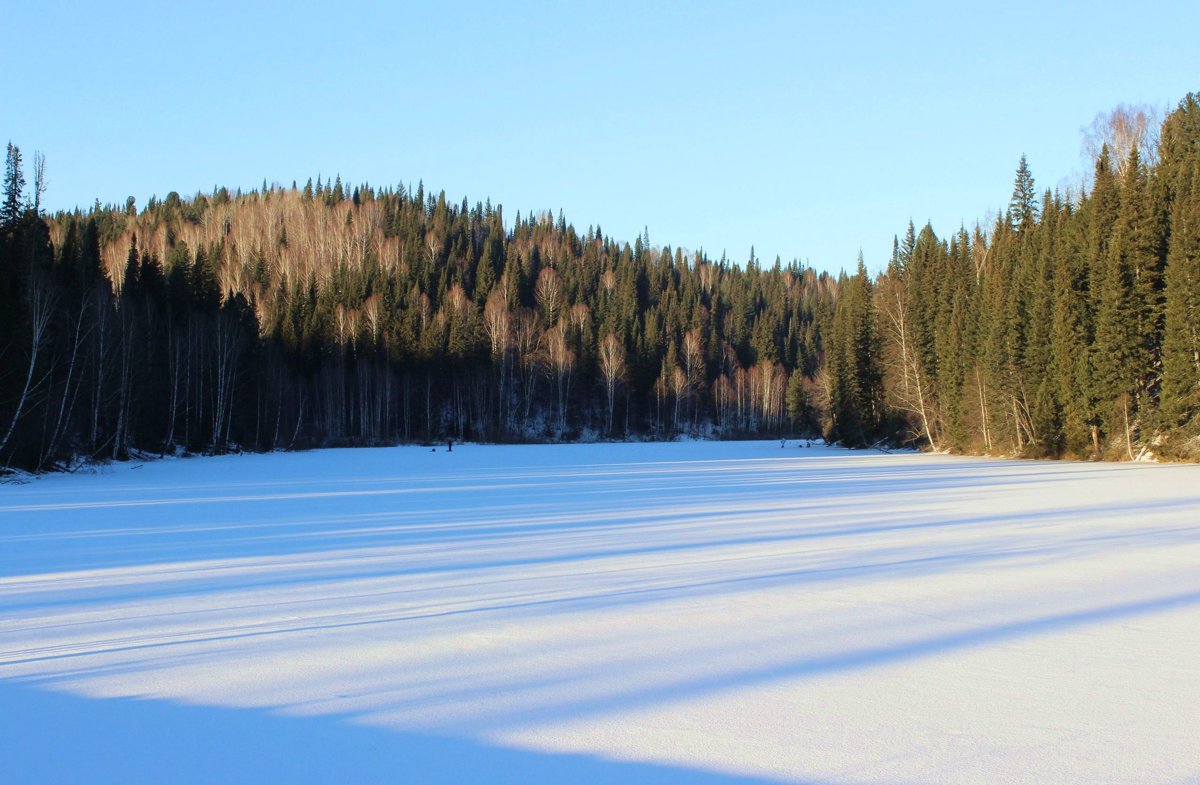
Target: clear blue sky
[807,131]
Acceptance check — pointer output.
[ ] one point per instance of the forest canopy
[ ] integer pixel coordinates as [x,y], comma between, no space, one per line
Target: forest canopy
[290,317]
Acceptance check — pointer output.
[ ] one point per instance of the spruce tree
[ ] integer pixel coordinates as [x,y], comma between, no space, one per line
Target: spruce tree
[798,406]
[1023,207]
[1180,395]
[1105,279]
[855,378]
[1138,242]
[14,185]
[1070,335]
[1117,341]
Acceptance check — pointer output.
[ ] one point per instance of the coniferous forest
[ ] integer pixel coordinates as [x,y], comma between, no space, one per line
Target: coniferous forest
[329,314]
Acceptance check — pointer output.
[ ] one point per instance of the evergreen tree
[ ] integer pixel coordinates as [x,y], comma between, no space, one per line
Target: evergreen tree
[1023,207]
[1071,329]
[14,185]
[1117,341]
[855,379]
[798,407]
[1180,396]
[1105,279]
[1137,243]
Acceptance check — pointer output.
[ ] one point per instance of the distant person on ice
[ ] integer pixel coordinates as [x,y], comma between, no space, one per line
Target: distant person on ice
[449,445]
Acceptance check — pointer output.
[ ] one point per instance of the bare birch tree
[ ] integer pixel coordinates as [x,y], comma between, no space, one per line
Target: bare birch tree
[909,390]
[612,369]
[549,294]
[562,362]
[1122,129]
[496,324]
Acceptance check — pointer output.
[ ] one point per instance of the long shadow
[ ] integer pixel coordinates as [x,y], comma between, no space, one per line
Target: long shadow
[224,529]
[228,530]
[858,659]
[55,738]
[50,737]
[895,563]
[976,552]
[575,603]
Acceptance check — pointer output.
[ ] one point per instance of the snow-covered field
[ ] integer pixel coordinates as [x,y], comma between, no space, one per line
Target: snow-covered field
[714,613]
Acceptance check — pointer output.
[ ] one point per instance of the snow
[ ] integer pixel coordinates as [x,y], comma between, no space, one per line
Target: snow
[713,613]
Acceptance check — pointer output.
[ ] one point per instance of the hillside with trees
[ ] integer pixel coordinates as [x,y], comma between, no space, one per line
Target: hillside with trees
[293,317]
[322,315]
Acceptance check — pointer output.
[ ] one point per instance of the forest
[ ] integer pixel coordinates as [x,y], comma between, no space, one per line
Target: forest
[330,315]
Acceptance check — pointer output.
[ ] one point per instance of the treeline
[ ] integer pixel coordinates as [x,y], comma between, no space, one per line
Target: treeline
[323,315]
[326,315]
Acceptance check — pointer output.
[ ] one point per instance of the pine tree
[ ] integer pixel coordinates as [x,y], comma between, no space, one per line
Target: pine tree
[1070,335]
[132,275]
[14,185]
[1023,207]
[1039,365]
[798,407]
[1097,376]
[1118,341]
[855,378]
[1138,241]
[1180,395]
[905,252]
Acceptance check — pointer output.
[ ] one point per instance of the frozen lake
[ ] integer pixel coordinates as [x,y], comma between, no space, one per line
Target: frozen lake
[713,613]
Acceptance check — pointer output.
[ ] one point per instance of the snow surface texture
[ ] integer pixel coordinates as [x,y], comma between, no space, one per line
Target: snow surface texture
[713,613]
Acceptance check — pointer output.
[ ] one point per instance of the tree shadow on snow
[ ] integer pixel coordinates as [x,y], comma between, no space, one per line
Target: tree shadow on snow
[850,660]
[132,526]
[54,738]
